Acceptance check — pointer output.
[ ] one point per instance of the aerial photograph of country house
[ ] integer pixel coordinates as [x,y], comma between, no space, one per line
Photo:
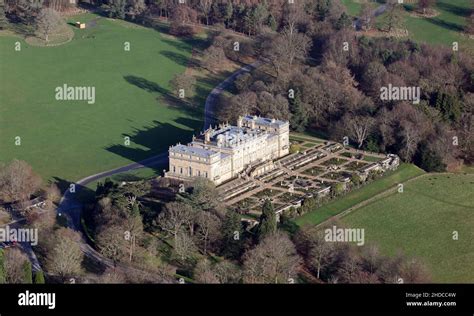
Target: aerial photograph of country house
[236,141]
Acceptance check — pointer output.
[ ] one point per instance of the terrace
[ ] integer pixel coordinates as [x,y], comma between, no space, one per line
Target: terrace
[302,175]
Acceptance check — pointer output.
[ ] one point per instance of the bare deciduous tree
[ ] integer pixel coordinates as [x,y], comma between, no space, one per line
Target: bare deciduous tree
[208,230]
[174,217]
[133,231]
[413,271]
[18,181]
[320,252]
[470,24]
[46,22]
[294,14]
[205,7]
[183,83]
[284,49]
[112,243]
[184,245]
[425,4]
[52,193]
[317,252]
[111,276]
[357,127]
[366,17]
[227,272]
[274,260]
[213,57]
[204,273]
[14,261]
[66,257]
[411,136]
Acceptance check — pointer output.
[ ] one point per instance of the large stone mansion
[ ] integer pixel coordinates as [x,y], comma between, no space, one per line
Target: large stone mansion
[227,151]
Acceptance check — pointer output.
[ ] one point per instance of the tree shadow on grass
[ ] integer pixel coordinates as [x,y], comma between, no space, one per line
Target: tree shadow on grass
[180,59]
[19,27]
[164,95]
[145,84]
[454,9]
[187,43]
[447,25]
[156,139]
[82,193]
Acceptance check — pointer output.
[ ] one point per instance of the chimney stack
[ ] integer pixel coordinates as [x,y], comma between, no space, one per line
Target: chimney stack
[239,121]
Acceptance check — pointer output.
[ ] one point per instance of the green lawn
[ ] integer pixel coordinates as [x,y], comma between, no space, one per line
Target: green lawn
[355,6]
[404,172]
[129,176]
[371,158]
[420,222]
[305,138]
[72,139]
[445,28]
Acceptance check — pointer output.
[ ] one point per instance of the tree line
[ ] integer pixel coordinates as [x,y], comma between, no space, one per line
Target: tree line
[193,237]
[186,236]
[322,76]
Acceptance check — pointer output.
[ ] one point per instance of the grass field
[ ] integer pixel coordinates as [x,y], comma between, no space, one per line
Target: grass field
[402,174]
[420,222]
[445,28]
[73,139]
[355,6]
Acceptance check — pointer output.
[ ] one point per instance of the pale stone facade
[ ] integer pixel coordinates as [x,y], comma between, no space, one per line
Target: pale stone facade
[223,153]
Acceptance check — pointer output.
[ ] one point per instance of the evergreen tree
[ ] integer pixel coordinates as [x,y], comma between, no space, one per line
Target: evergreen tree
[249,21]
[394,17]
[449,106]
[231,234]
[337,189]
[229,12]
[260,16]
[268,222]
[27,272]
[343,22]
[3,273]
[216,12]
[429,160]
[272,22]
[39,277]
[3,18]
[117,9]
[105,188]
[322,9]
[299,117]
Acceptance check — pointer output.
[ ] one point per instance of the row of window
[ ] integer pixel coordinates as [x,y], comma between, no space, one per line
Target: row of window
[189,172]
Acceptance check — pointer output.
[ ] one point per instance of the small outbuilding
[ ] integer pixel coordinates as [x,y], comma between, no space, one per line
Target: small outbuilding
[81,25]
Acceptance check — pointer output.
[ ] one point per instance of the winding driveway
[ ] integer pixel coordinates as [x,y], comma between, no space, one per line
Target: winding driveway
[70,207]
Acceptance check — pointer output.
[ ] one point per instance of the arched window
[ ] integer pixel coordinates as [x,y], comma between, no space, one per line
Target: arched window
[190,172]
